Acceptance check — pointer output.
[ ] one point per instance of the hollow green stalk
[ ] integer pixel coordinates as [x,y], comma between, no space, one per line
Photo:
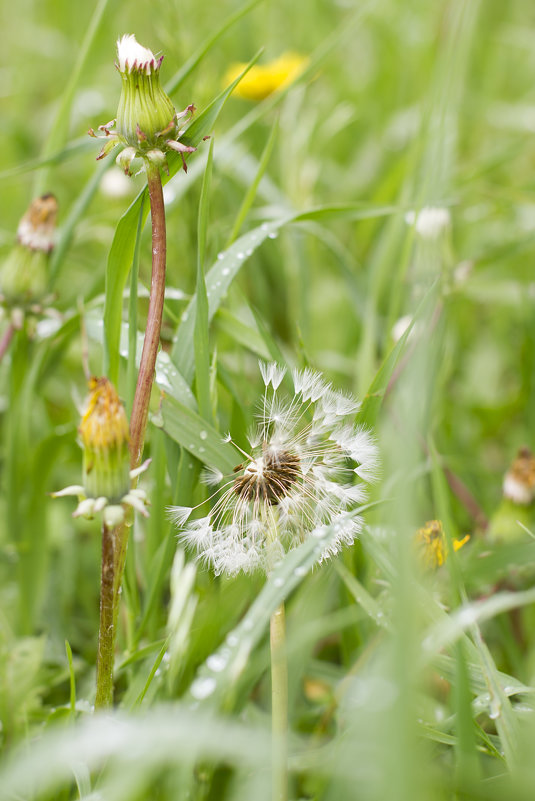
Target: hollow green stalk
[279,705]
[279,676]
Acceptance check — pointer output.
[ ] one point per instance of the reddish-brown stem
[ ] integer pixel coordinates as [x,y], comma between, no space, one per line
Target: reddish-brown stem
[6,339]
[140,408]
[106,634]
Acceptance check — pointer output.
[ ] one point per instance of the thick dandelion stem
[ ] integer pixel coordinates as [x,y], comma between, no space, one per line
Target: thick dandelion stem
[140,408]
[107,628]
[279,705]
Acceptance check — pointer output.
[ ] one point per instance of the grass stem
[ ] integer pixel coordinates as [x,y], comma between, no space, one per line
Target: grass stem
[279,705]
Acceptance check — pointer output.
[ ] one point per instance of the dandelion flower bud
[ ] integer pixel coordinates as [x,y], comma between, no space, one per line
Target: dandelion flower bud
[146,115]
[104,435]
[24,274]
[519,481]
[147,123]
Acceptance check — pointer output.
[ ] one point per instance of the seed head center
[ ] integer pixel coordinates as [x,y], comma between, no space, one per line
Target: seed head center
[270,477]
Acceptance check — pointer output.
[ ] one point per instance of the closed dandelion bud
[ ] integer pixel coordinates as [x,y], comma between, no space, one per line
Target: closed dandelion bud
[517,508]
[104,435]
[147,123]
[24,274]
[146,115]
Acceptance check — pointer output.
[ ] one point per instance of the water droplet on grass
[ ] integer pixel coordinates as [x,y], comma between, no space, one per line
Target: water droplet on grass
[217,662]
[203,434]
[278,582]
[203,687]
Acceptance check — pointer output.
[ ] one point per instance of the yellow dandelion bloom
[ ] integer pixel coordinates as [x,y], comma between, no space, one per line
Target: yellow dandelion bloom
[104,434]
[430,541]
[264,79]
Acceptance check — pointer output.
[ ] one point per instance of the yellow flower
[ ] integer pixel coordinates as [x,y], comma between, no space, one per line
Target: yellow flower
[106,463]
[262,80]
[431,543]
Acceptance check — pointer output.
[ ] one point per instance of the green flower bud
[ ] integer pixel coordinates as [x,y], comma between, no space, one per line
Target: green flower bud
[104,434]
[24,274]
[146,115]
[147,123]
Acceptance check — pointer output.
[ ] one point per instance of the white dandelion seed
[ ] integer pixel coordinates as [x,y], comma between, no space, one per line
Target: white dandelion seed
[304,475]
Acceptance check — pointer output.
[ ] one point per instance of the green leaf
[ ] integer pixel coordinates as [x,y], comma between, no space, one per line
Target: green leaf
[230,261]
[223,668]
[373,399]
[197,436]
[201,333]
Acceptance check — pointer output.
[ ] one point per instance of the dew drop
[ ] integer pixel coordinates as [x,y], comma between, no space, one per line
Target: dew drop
[203,434]
[202,450]
[225,271]
[203,687]
[264,227]
[249,252]
[220,256]
[273,235]
[301,570]
[232,640]
[278,582]
[239,255]
[217,662]
[184,317]
[247,625]
[192,446]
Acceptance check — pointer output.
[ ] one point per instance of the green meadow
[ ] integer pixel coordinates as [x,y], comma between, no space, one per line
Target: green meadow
[370,216]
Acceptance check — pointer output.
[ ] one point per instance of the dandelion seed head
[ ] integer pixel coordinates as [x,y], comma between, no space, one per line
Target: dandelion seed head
[306,473]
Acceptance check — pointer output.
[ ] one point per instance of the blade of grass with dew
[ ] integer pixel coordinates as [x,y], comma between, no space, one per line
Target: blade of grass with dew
[167,732]
[122,248]
[167,377]
[363,598]
[229,263]
[60,128]
[201,345]
[197,436]
[223,668]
